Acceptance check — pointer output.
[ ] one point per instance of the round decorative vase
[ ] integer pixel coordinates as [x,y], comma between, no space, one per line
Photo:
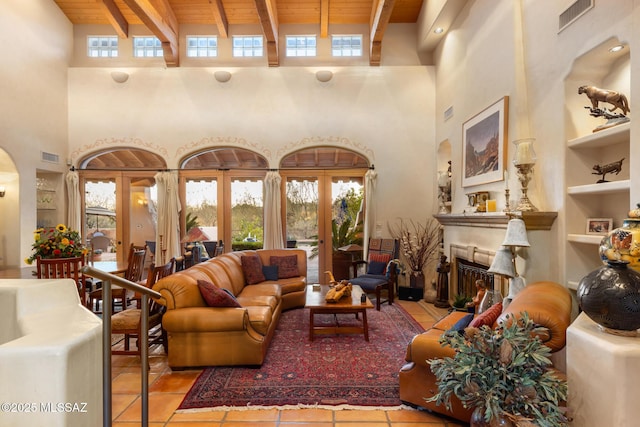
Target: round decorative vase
[477,420]
[610,296]
[623,243]
[430,293]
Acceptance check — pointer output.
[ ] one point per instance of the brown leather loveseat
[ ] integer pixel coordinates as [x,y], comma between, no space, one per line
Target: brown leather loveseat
[547,303]
[200,335]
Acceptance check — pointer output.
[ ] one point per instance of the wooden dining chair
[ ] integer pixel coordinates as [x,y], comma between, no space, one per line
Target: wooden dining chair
[128,322]
[63,268]
[133,272]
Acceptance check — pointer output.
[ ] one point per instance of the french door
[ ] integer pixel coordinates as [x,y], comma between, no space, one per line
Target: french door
[119,205]
[313,199]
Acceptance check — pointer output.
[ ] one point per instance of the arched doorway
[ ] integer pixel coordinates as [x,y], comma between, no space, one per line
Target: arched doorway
[221,189]
[9,212]
[119,198]
[323,194]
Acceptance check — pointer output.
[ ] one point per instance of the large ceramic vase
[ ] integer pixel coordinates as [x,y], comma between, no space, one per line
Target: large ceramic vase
[623,243]
[610,296]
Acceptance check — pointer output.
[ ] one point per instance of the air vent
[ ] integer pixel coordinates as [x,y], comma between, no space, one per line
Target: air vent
[573,12]
[49,157]
[448,113]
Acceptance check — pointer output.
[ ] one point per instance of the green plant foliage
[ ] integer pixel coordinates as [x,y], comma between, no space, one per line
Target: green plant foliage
[460,300]
[505,371]
[191,221]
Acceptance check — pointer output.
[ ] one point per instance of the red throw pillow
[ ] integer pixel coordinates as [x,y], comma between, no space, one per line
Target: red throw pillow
[252,269]
[287,266]
[487,317]
[215,296]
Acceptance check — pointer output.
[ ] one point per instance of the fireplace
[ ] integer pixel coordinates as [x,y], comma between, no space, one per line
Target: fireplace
[468,264]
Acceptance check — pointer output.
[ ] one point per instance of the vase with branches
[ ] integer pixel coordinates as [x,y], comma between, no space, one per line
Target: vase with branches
[419,244]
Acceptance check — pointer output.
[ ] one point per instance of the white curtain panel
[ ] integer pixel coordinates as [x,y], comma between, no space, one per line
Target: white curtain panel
[370,183]
[168,228]
[272,211]
[74,213]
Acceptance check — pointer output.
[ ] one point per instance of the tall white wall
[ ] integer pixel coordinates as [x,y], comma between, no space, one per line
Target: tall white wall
[36,48]
[480,61]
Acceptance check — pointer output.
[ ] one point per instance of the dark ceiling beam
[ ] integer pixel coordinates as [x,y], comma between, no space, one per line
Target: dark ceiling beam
[380,16]
[324,18]
[269,20]
[115,17]
[158,16]
[221,17]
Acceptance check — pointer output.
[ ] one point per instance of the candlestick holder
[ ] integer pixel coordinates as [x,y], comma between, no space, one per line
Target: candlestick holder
[524,160]
[507,207]
[525,170]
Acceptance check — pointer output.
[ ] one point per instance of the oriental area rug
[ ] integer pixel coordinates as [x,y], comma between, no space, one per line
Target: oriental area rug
[331,371]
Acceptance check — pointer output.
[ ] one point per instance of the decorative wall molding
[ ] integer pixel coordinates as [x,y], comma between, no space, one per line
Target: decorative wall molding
[221,141]
[101,144]
[324,141]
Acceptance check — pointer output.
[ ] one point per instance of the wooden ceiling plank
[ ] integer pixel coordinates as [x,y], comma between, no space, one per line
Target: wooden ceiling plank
[220,16]
[115,17]
[380,16]
[324,18]
[158,16]
[269,20]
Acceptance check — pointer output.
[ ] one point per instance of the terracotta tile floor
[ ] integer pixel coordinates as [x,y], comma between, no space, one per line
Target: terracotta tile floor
[167,389]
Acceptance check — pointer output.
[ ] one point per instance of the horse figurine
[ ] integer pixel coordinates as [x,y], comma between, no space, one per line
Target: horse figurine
[596,95]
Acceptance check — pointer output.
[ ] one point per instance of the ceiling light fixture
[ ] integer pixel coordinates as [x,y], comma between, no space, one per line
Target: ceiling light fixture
[324,75]
[119,76]
[222,76]
[439,30]
[616,48]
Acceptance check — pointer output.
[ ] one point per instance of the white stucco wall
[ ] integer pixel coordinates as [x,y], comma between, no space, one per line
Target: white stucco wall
[478,63]
[37,40]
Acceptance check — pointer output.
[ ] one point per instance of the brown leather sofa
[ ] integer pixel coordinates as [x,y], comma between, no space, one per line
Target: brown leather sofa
[199,335]
[547,303]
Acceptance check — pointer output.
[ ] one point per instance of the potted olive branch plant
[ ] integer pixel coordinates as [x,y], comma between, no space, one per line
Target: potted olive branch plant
[503,374]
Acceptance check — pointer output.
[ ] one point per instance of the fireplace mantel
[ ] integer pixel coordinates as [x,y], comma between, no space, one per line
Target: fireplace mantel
[532,220]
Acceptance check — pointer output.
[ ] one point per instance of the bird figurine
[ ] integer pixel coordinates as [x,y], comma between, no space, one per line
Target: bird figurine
[332,280]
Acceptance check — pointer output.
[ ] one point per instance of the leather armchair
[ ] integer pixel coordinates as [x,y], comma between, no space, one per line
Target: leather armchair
[547,303]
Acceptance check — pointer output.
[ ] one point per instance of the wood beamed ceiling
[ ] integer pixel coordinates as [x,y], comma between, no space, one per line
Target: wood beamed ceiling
[164,17]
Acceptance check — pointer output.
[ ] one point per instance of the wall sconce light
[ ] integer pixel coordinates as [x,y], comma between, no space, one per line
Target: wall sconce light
[119,76]
[222,76]
[2,190]
[324,76]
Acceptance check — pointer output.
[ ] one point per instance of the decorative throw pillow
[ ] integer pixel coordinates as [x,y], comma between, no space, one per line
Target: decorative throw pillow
[215,296]
[487,317]
[383,258]
[270,272]
[252,269]
[461,324]
[376,267]
[287,266]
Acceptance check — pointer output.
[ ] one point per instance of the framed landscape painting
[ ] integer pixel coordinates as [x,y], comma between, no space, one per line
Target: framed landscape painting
[484,138]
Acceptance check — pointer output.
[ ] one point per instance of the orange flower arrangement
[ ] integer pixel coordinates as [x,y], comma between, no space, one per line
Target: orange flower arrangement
[59,242]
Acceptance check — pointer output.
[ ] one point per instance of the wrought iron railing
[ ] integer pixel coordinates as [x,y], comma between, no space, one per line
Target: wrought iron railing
[108,280]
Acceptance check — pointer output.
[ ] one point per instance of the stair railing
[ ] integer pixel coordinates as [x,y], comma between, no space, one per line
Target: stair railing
[108,280]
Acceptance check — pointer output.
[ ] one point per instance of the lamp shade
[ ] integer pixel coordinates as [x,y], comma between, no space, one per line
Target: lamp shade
[503,263]
[516,233]
[196,234]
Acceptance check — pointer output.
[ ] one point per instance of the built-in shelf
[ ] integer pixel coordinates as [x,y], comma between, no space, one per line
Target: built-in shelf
[573,285]
[590,239]
[603,138]
[532,220]
[602,188]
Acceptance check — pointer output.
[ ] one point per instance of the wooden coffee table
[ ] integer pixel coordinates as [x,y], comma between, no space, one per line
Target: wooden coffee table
[347,305]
